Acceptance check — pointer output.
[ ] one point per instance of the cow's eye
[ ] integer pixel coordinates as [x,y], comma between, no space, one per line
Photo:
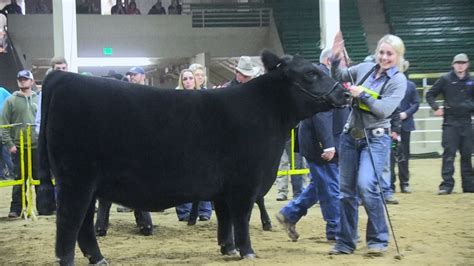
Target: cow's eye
[311,74]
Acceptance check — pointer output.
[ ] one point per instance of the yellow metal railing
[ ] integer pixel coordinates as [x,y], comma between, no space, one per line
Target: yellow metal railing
[26,211]
[291,157]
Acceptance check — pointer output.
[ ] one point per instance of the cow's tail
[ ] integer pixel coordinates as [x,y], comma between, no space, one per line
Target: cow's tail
[46,200]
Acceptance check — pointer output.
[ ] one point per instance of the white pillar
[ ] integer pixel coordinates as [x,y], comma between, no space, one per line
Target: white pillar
[65,31]
[329,15]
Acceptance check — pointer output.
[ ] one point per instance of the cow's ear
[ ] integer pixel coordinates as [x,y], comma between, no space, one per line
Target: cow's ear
[298,57]
[285,63]
[270,60]
[286,59]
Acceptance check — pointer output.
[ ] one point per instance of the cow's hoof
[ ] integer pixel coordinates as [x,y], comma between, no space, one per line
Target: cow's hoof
[233,252]
[146,230]
[192,222]
[267,226]
[249,256]
[100,232]
[229,251]
[101,262]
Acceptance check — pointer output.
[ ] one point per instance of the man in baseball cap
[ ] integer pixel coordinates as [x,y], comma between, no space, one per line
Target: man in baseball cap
[20,107]
[457,88]
[25,74]
[137,75]
[460,58]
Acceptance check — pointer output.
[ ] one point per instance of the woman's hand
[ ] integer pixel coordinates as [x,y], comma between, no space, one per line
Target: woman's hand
[355,91]
[338,46]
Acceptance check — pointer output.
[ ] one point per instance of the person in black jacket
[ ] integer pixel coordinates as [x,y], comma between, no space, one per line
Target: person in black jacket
[157,9]
[318,143]
[408,107]
[457,88]
[13,8]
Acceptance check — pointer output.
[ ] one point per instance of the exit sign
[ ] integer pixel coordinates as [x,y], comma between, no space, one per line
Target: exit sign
[107,51]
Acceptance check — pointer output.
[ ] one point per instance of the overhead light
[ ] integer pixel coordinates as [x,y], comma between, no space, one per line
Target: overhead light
[115,61]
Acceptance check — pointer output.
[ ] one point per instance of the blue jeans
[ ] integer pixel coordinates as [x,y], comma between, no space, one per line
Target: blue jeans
[183,210]
[6,161]
[357,175]
[386,180]
[324,186]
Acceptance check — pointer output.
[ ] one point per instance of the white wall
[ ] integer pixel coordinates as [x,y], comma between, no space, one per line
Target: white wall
[142,36]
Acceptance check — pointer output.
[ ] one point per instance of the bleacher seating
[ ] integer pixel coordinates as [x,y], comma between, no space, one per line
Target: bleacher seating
[297,23]
[230,15]
[433,31]
[351,27]
[298,26]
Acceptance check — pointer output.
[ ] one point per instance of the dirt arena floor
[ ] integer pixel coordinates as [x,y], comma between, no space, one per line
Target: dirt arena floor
[430,229]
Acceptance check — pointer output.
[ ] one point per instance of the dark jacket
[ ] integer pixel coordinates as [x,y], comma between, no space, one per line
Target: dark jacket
[320,132]
[458,96]
[156,11]
[410,104]
[231,83]
[396,122]
[12,9]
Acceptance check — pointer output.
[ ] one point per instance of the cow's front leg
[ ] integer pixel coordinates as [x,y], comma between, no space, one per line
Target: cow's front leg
[225,233]
[87,240]
[73,203]
[102,221]
[264,218]
[193,215]
[241,210]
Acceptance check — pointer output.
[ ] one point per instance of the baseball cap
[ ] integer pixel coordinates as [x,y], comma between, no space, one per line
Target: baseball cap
[136,70]
[25,74]
[113,74]
[460,58]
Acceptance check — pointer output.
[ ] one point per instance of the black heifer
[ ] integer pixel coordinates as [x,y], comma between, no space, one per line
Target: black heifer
[152,149]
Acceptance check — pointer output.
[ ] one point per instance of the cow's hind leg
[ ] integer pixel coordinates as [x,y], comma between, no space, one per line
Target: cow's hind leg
[264,218]
[87,240]
[74,199]
[225,233]
[102,221]
[144,222]
[241,209]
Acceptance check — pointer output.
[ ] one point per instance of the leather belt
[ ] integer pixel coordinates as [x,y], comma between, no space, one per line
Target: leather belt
[358,133]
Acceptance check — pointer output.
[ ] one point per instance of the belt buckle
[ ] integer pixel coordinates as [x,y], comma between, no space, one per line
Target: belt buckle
[357,133]
[378,132]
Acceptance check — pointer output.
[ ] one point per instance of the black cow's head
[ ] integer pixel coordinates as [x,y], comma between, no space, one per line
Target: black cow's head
[308,80]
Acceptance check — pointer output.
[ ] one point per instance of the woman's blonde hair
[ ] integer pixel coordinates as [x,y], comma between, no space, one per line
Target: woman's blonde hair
[195,67]
[180,81]
[397,45]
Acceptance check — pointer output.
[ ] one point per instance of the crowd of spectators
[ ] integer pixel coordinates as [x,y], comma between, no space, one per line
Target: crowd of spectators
[120,8]
[131,7]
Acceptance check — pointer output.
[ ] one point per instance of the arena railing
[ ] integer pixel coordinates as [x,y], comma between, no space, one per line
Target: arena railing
[291,158]
[231,17]
[26,205]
